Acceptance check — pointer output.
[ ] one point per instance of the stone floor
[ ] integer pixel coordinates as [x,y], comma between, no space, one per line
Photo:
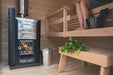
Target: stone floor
[73,67]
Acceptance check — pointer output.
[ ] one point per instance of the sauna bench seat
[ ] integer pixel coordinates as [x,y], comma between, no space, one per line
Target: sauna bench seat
[98,56]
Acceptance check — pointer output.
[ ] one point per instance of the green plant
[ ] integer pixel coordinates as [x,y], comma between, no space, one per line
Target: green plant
[73,45]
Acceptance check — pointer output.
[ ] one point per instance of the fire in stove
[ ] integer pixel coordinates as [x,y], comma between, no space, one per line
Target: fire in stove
[25,47]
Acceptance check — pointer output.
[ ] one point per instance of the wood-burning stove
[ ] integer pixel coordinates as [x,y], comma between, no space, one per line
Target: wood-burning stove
[24,41]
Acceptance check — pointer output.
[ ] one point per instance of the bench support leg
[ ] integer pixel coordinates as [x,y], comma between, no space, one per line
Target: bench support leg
[84,64]
[104,71]
[62,63]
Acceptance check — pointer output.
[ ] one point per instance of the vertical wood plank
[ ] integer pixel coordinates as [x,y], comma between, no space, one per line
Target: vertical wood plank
[62,63]
[84,64]
[104,71]
[47,28]
[65,27]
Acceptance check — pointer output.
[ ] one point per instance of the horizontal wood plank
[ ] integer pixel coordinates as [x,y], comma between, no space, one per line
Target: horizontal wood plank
[100,32]
[60,20]
[98,9]
[58,11]
[55,34]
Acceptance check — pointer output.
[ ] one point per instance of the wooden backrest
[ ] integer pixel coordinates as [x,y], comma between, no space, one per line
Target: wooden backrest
[73,23]
[70,23]
[109,19]
[98,9]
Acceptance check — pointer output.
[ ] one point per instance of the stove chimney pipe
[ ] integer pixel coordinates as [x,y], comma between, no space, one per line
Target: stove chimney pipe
[22,8]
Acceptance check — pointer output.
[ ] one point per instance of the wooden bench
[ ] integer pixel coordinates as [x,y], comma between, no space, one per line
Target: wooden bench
[62,24]
[98,56]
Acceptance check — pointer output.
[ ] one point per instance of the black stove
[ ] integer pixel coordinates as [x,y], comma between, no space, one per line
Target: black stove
[24,41]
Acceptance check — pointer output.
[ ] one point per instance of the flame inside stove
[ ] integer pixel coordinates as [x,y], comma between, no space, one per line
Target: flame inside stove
[26,47]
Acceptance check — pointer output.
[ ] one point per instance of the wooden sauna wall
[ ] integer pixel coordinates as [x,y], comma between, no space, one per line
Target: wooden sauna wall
[0,34]
[5,4]
[38,9]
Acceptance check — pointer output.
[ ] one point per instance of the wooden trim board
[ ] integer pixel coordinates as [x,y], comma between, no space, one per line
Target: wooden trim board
[99,32]
[58,11]
[55,34]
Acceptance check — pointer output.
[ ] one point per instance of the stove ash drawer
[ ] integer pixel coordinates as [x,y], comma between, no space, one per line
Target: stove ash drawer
[26,60]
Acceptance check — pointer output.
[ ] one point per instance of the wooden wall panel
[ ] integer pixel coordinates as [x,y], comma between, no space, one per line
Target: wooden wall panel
[0,34]
[5,5]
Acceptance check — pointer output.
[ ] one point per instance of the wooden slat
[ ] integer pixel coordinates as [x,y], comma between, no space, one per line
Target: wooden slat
[100,32]
[60,10]
[57,21]
[60,20]
[110,13]
[108,24]
[70,18]
[55,34]
[70,26]
[65,25]
[91,32]
[73,23]
[96,10]
[109,19]
[73,17]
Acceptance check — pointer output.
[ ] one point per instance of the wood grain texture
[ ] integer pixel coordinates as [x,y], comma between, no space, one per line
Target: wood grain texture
[84,64]
[104,71]
[99,32]
[5,5]
[62,64]
[96,56]
[0,34]
[96,10]
[65,26]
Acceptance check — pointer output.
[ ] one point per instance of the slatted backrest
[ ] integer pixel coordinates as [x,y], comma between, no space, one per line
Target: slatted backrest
[73,22]
[109,19]
[56,20]
[98,9]
[56,23]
